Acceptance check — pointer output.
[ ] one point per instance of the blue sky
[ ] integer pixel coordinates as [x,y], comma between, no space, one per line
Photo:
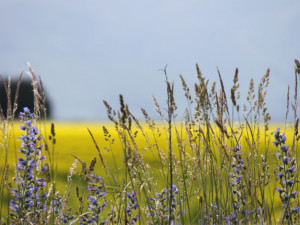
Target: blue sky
[87,51]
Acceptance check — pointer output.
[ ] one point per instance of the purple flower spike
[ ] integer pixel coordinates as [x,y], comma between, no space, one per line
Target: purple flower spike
[280,167]
[26,110]
[279,190]
[286,196]
[291,170]
[297,209]
[30,191]
[284,148]
[280,174]
[290,182]
[283,137]
[277,133]
[286,160]
[294,194]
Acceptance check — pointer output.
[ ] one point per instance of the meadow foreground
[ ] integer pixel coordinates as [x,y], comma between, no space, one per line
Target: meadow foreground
[217,166]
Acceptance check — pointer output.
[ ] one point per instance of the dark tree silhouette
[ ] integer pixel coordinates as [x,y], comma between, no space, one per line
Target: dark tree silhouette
[25,97]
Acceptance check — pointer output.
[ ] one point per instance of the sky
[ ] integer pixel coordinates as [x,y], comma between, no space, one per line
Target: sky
[88,51]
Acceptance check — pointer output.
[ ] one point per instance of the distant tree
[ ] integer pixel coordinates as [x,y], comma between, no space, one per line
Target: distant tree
[25,97]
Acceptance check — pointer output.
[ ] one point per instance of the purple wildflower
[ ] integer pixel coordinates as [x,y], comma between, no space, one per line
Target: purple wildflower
[30,191]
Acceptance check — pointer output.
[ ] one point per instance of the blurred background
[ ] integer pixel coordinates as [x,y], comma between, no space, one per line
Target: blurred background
[88,51]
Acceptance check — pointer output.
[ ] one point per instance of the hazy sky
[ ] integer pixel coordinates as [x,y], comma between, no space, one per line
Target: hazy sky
[87,51]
